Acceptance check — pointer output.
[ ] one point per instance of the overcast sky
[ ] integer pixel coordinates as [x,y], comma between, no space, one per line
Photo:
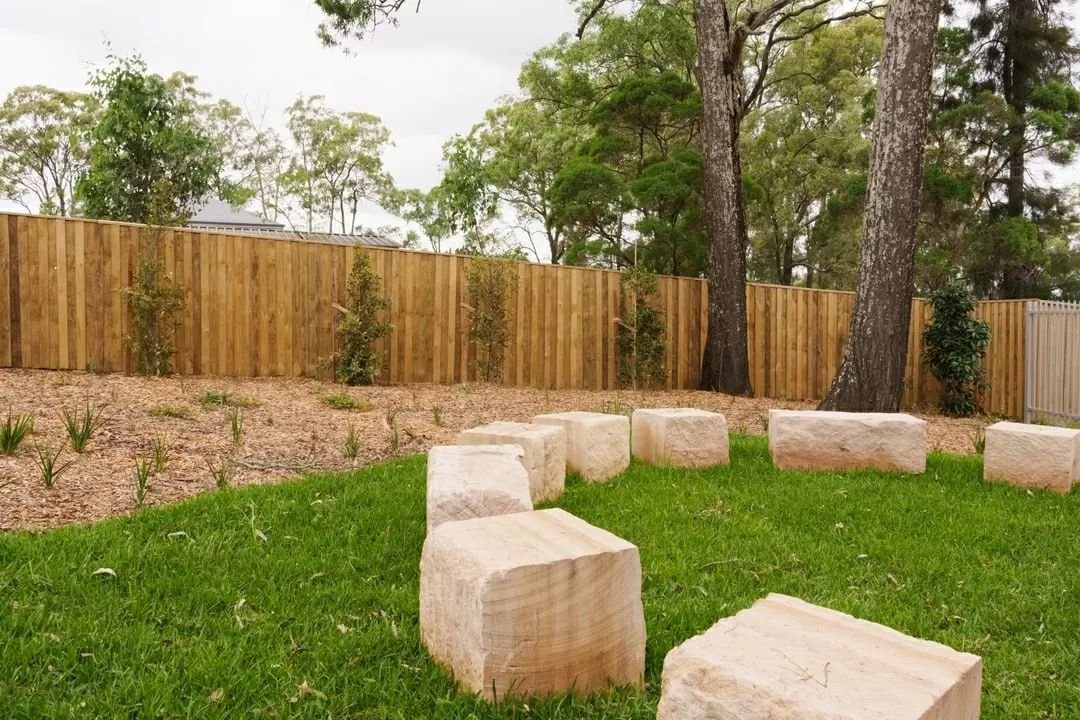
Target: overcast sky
[428,79]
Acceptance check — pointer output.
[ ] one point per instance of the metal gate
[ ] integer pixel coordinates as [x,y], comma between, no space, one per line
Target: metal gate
[1052,362]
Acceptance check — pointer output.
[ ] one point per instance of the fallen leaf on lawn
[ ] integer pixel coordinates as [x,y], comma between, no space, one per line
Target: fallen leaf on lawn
[216,696]
[308,691]
[317,575]
[104,572]
[261,535]
[344,629]
[177,535]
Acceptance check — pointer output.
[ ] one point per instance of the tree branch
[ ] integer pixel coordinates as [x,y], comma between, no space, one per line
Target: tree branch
[589,17]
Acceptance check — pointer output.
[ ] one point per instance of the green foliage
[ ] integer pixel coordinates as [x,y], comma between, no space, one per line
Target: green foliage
[641,336]
[160,454]
[154,302]
[491,283]
[344,401]
[351,447]
[221,472]
[360,328]
[81,428]
[44,147]
[236,425]
[14,430]
[149,159]
[956,344]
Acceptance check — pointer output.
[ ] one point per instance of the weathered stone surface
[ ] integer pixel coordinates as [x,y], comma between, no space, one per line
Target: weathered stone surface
[816,440]
[471,481]
[680,437]
[597,445]
[1032,456]
[544,447]
[784,659]
[532,604]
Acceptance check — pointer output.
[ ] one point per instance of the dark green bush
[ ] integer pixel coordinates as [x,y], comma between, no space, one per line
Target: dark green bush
[491,282]
[956,343]
[641,337]
[360,328]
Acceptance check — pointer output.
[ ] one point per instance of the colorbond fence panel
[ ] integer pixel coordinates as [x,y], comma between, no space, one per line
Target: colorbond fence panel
[265,307]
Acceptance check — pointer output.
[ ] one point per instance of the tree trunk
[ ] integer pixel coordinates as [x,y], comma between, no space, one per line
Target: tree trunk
[871,376]
[1016,88]
[725,367]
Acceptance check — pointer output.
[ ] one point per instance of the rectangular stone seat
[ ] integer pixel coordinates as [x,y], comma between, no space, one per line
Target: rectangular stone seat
[544,447]
[1037,456]
[680,437]
[785,659]
[532,604]
[470,481]
[597,445]
[818,440]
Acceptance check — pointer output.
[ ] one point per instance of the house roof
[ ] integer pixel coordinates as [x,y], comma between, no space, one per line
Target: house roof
[220,214]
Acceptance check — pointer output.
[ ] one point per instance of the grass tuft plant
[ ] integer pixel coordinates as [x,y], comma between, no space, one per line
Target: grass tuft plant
[352,444]
[81,428]
[160,449]
[236,426]
[344,401]
[978,441]
[223,398]
[48,462]
[14,430]
[394,429]
[179,412]
[142,479]
[437,416]
[221,472]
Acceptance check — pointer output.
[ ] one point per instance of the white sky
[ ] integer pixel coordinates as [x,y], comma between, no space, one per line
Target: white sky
[428,79]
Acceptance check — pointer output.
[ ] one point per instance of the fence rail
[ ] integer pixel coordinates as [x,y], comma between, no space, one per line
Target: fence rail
[264,307]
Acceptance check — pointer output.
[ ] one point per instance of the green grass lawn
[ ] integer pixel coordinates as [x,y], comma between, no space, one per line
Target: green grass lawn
[227,605]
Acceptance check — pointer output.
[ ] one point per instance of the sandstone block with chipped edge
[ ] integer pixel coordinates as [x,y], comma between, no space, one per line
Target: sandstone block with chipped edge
[1036,456]
[471,481]
[820,440]
[597,444]
[544,447]
[680,437]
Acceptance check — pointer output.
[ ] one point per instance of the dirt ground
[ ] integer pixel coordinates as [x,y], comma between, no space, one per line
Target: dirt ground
[289,430]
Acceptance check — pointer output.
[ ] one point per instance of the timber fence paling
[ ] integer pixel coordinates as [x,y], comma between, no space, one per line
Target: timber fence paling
[259,306]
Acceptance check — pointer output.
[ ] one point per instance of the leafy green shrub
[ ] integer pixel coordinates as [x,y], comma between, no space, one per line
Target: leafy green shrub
[956,343]
[360,328]
[641,336]
[14,430]
[343,401]
[491,282]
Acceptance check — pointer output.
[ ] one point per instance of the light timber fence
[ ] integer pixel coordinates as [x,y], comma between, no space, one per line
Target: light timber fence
[265,307]
[1053,362]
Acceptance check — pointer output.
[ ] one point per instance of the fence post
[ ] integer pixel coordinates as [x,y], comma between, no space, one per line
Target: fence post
[1029,365]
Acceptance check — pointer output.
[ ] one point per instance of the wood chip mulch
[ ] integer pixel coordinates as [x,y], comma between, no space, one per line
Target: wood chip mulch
[289,431]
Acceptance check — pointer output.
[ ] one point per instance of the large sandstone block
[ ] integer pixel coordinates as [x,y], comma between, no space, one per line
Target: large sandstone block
[597,445]
[1032,456]
[544,449]
[471,481]
[681,437]
[816,440]
[785,659]
[532,604]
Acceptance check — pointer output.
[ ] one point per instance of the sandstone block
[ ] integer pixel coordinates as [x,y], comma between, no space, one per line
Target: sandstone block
[816,440]
[532,604]
[544,449]
[785,659]
[1032,456]
[681,437]
[597,445]
[471,481]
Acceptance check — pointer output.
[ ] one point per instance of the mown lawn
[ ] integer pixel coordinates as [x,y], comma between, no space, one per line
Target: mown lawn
[300,600]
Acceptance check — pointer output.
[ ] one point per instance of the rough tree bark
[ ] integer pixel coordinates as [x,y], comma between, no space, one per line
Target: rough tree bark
[725,366]
[871,376]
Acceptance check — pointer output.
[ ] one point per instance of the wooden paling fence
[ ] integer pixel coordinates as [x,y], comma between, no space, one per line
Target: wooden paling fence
[258,306]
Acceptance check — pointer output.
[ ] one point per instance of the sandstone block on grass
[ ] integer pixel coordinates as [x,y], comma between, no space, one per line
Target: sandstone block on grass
[532,604]
[597,445]
[817,440]
[680,437]
[785,659]
[1032,456]
[471,481]
[544,449]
